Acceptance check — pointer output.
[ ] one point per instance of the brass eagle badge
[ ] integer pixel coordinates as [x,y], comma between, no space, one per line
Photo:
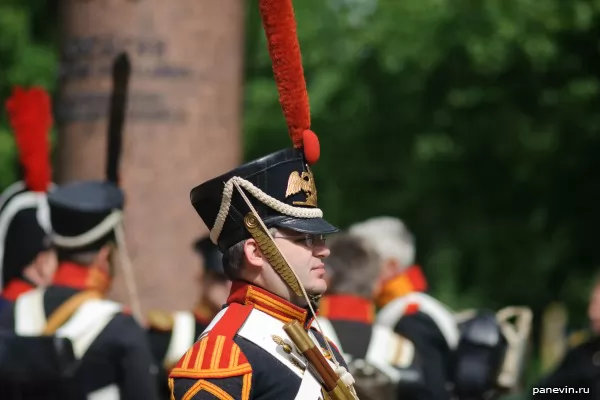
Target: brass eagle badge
[304,182]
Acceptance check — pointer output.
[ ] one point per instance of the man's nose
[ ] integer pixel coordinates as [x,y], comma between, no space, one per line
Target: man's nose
[321,251]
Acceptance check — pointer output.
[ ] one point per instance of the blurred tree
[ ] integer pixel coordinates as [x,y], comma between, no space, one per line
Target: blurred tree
[476,122]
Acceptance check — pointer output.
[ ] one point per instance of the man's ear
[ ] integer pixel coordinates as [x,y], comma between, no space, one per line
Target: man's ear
[253,254]
[102,259]
[47,263]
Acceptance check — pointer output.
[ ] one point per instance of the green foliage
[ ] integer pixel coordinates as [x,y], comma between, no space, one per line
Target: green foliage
[476,122]
[28,57]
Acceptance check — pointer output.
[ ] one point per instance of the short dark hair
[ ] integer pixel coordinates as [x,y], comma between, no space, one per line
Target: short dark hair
[233,258]
[354,265]
[83,258]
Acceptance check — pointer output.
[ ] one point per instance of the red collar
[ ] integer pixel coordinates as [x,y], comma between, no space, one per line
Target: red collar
[80,277]
[347,307]
[263,300]
[15,288]
[410,280]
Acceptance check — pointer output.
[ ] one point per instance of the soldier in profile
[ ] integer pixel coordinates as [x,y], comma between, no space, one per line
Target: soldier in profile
[264,217]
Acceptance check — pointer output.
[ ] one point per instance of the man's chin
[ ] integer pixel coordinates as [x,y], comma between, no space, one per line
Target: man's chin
[317,288]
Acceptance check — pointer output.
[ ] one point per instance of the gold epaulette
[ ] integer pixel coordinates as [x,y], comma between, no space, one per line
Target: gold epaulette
[160,320]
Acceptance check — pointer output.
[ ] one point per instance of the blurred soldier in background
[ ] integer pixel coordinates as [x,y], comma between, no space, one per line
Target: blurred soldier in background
[581,366]
[90,347]
[115,357]
[481,357]
[26,261]
[411,313]
[214,285]
[383,363]
[172,334]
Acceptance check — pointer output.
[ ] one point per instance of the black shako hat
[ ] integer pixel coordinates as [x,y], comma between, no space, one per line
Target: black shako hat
[84,214]
[24,226]
[281,188]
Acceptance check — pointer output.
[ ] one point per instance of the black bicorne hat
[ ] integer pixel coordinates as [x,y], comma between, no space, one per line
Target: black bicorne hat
[281,188]
[84,215]
[24,226]
[24,219]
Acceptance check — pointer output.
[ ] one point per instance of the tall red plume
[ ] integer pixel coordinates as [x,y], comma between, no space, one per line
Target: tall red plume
[279,23]
[30,116]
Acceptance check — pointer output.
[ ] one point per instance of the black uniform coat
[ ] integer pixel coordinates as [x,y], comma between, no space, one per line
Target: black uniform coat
[419,319]
[119,355]
[352,319]
[579,372]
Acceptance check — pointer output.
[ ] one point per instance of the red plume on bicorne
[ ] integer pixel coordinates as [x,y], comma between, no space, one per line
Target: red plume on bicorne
[279,23]
[30,116]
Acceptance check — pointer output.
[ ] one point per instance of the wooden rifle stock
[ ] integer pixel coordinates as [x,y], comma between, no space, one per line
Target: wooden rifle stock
[335,387]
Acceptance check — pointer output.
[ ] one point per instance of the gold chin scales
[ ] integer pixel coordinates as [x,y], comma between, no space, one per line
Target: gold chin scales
[272,253]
